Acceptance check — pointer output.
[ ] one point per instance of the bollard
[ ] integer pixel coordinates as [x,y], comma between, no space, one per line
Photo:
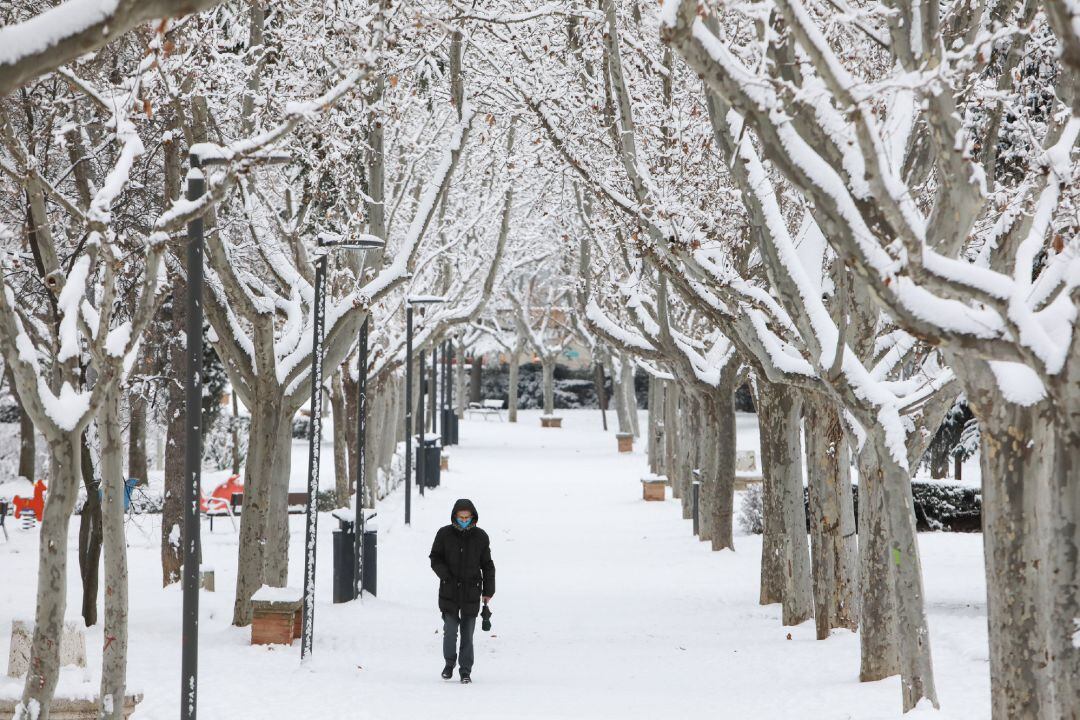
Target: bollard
[370,555]
[696,485]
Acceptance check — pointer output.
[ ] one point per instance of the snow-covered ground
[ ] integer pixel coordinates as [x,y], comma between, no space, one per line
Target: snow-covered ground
[606,607]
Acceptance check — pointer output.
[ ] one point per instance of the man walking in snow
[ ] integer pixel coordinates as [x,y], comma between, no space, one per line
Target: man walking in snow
[461,557]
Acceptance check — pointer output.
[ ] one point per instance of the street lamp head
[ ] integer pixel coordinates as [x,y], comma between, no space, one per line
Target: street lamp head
[424,299]
[363,241]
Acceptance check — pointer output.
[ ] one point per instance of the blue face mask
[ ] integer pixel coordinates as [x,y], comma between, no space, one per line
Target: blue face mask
[463,524]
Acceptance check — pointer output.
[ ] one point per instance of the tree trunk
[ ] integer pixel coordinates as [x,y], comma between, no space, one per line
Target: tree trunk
[722,503]
[878,653]
[689,446]
[476,373]
[786,457]
[276,557]
[904,576]
[1016,455]
[350,390]
[655,445]
[174,329]
[631,396]
[263,434]
[342,483]
[459,379]
[114,652]
[1063,537]
[671,436]
[772,567]
[234,432]
[137,463]
[90,537]
[512,388]
[834,553]
[547,363]
[619,396]
[66,475]
[27,438]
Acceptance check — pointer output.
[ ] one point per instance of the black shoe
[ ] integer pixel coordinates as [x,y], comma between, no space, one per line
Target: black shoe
[448,671]
[466,677]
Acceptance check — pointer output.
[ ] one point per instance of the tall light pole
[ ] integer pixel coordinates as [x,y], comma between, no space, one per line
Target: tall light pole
[361,464]
[200,156]
[326,243]
[410,302]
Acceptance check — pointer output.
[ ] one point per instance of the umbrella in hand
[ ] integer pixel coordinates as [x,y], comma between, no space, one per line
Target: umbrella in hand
[486,615]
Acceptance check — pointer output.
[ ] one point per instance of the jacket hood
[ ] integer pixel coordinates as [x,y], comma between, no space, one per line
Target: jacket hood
[464,504]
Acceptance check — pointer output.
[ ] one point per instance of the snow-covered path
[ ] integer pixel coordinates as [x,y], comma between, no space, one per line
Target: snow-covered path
[606,607]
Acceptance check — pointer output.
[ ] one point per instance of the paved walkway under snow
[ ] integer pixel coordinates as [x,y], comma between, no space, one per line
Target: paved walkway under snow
[606,607]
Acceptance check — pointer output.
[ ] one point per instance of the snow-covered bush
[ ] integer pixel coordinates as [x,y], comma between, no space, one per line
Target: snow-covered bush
[751,513]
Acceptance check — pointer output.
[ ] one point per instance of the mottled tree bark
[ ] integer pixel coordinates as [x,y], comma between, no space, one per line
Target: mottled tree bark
[631,397]
[772,571]
[904,577]
[257,479]
[342,482]
[172,511]
[834,551]
[115,648]
[137,461]
[90,537]
[671,435]
[512,389]
[476,370]
[276,557]
[878,654]
[547,364]
[66,475]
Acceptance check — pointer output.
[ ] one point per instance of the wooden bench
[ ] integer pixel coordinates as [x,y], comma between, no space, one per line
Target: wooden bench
[297,502]
[550,421]
[486,408]
[276,615]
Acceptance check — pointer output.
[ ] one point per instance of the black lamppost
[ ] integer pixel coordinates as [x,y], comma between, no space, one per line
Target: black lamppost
[361,464]
[325,244]
[189,634]
[409,429]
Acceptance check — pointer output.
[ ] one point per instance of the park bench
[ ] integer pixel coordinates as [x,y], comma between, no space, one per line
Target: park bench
[276,617]
[3,517]
[297,502]
[486,408]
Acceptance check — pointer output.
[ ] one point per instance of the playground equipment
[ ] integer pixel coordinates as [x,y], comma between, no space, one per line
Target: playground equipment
[35,504]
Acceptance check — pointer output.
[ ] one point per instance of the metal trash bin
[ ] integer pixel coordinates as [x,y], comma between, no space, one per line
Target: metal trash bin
[369,554]
[432,449]
[445,428]
[344,561]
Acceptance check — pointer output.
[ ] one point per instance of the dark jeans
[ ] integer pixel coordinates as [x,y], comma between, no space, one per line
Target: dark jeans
[451,623]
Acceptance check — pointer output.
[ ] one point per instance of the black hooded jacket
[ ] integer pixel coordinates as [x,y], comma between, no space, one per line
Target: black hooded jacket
[462,560]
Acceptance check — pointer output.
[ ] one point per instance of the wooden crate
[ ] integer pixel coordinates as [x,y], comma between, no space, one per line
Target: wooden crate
[652,489]
[276,616]
[272,627]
